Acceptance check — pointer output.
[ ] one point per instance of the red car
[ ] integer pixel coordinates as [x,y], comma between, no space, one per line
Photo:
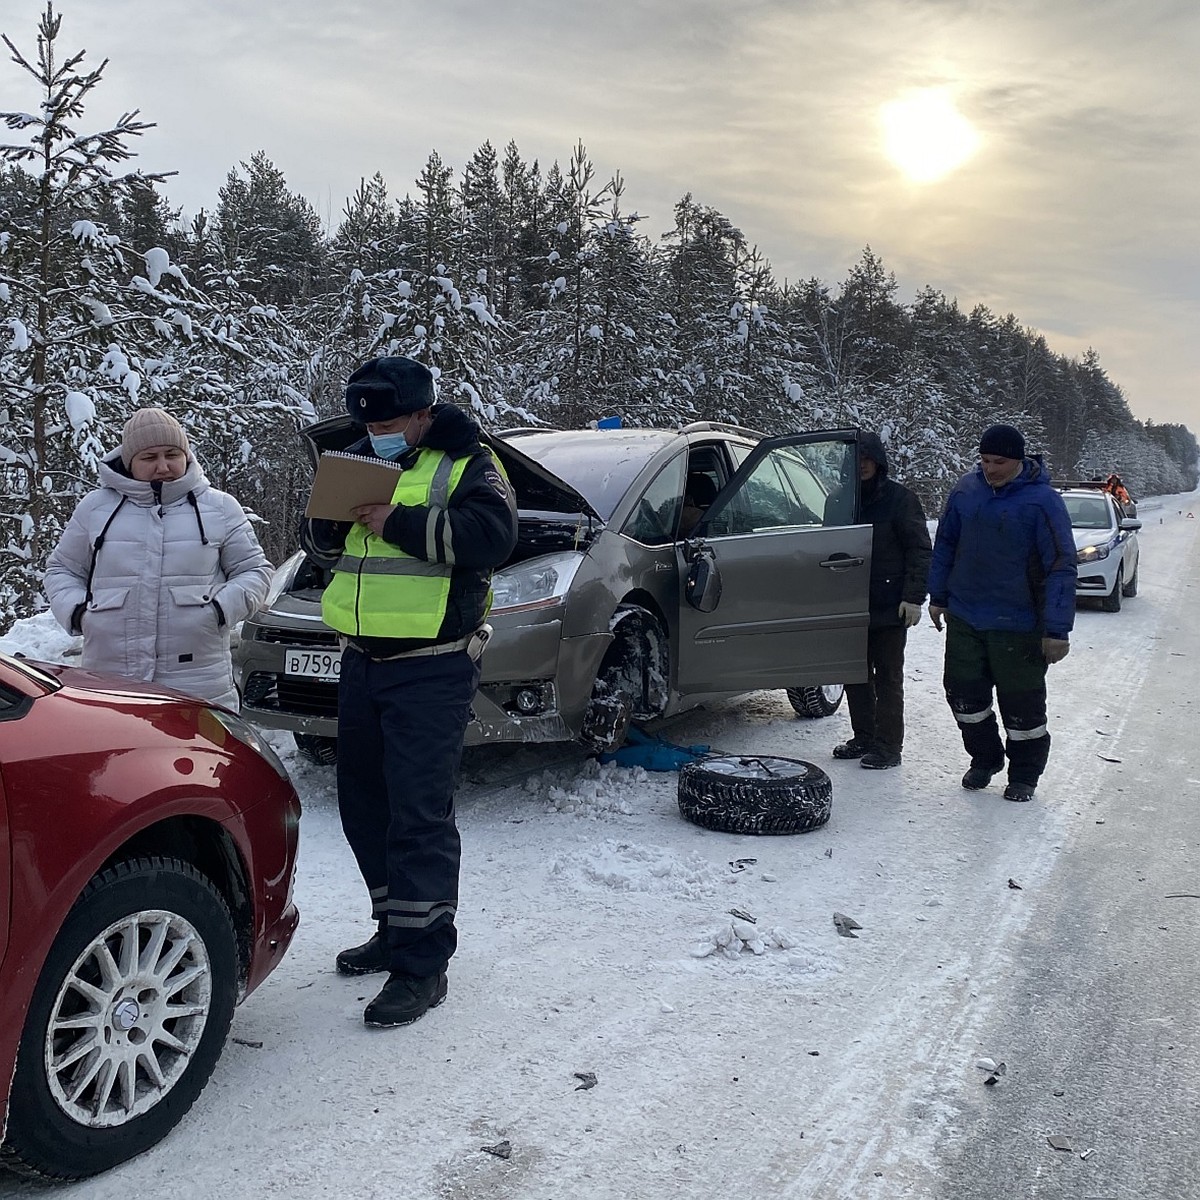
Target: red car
[147,855]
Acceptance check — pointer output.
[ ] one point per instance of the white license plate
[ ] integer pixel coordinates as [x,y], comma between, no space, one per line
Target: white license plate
[313,664]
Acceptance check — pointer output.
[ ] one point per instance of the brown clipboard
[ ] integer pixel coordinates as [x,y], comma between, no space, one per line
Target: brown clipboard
[345,481]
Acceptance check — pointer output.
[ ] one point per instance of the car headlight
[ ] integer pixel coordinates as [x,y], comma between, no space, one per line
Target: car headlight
[536,583]
[249,736]
[1092,554]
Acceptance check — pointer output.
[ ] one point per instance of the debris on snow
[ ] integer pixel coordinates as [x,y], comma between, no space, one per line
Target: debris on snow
[731,939]
[994,1069]
[740,864]
[1059,1141]
[1108,758]
[500,1149]
[588,1080]
[845,925]
[742,915]
[766,878]
[1012,883]
[597,790]
[1084,1153]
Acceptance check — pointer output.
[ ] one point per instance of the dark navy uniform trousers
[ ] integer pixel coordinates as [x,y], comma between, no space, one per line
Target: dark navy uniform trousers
[1011,664]
[401,724]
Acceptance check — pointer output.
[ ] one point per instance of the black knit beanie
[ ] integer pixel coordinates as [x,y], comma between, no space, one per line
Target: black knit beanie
[1003,441]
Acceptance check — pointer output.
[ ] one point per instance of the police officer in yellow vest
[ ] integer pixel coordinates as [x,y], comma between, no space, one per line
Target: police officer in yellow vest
[410,591]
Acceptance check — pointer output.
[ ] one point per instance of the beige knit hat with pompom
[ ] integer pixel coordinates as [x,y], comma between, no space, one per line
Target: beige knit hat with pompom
[151,427]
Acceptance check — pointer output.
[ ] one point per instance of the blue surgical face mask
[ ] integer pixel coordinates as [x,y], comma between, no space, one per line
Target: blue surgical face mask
[388,445]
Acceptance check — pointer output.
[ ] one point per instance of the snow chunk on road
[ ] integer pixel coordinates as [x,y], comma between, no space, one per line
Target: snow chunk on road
[644,869]
[595,790]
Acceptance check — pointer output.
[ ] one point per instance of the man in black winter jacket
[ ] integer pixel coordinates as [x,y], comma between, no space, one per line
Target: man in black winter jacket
[900,552]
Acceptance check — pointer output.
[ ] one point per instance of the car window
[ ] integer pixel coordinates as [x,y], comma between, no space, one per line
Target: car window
[795,485]
[780,493]
[653,519]
[1089,512]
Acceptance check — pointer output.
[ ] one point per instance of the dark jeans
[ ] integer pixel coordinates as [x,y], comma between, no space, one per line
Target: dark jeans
[400,735]
[1012,665]
[877,706]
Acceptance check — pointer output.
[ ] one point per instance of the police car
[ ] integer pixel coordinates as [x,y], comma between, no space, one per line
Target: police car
[1106,544]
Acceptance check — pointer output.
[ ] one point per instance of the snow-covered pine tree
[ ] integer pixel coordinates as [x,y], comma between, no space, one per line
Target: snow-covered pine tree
[772,379]
[417,307]
[247,396]
[90,329]
[524,269]
[591,351]
[95,328]
[343,325]
[698,260]
[269,237]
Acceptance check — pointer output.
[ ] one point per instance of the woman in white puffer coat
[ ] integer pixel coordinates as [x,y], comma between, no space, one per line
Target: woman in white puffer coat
[156,567]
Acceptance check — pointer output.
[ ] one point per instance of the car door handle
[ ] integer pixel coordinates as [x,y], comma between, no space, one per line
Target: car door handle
[842,562]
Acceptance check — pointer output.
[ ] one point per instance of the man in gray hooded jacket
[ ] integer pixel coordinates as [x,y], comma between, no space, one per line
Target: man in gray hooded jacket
[900,552]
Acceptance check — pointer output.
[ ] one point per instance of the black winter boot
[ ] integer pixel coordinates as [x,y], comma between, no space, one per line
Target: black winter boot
[366,959]
[405,999]
[879,760]
[980,777]
[855,748]
[1020,792]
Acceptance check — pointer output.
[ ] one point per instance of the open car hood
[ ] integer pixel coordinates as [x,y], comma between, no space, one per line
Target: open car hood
[536,488]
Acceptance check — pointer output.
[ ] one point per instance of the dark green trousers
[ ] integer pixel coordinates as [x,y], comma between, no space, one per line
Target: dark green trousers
[1011,666]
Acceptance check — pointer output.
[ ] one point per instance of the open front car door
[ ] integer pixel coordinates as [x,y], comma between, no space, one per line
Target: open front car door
[777,572]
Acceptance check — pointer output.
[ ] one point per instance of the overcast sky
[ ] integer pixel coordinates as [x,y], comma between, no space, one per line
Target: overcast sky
[1079,209]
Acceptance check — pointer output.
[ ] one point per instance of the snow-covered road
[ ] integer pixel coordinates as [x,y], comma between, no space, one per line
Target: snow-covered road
[831,1068]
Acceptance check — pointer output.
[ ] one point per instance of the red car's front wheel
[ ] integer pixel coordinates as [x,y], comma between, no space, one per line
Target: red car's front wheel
[127,1021]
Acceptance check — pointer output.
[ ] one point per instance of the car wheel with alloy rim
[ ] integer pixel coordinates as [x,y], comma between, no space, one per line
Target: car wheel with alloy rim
[816,701]
[127,1021]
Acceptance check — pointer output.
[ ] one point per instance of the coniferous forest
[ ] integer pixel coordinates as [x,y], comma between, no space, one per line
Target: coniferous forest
[532,290]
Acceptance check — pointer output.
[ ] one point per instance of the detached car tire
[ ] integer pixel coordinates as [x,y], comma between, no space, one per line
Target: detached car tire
[755,795]
[127,1021]
[816,701]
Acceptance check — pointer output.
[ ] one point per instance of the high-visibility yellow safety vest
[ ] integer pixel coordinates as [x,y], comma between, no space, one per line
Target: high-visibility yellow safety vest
[377,589]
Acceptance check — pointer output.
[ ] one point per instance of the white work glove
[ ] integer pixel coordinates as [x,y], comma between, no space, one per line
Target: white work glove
[1055,649]
[910,614]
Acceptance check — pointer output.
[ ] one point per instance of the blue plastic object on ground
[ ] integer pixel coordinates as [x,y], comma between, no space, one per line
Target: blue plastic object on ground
[653,753]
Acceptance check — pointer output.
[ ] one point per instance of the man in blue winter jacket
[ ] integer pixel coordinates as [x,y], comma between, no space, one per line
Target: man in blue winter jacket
[1003,577]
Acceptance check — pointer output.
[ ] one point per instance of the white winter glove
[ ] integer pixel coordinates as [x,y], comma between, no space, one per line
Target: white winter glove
[910,614]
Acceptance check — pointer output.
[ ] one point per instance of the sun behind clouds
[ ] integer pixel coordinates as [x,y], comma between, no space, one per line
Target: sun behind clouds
[926,136]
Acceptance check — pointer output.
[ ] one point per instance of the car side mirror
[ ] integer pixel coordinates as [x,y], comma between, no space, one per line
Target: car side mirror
[702,588]
[1130,523]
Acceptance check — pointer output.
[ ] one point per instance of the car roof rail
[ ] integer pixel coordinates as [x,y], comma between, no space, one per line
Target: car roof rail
[720,427]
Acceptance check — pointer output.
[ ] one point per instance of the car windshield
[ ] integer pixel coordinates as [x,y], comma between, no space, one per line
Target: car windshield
[1088,512]
[599,464]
